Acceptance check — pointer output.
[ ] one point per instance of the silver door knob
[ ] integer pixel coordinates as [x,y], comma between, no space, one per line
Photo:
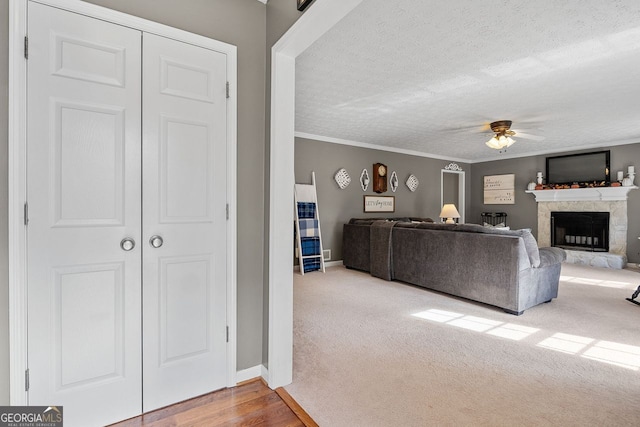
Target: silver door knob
[127,244]
[156,241]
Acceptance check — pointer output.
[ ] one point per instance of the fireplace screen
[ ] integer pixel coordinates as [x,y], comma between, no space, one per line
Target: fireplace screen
[583,231]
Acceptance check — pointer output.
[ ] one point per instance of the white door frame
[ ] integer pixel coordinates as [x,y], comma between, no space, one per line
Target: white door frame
[18,167]
[319,18]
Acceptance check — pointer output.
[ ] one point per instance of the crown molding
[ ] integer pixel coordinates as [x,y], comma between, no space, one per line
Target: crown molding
[377,147]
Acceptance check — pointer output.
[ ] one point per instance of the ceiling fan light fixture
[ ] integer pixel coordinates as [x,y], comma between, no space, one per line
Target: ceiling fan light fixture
[499,142]
[502,139]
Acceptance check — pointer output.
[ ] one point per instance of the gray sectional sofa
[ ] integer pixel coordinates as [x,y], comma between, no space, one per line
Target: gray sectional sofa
[503,268]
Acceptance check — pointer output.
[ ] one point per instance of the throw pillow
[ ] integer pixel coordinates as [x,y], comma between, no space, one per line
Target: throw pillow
[531,246]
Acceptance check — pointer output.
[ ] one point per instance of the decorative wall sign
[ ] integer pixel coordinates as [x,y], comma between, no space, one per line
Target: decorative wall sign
[364,179]
[393,181]
[342,178]
[499,189]
[412,183]
[303,3]
[379,203]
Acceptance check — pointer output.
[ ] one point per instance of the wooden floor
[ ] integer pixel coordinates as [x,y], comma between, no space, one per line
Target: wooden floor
[249,404]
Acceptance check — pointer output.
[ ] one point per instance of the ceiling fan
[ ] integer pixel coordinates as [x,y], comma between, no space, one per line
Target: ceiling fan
[503,133]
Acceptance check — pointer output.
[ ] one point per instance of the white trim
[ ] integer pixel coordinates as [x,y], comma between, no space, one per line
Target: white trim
[141,24]
[264,373]
[17,174]
[232,223]
[263,1]
[607,194]
[335,263]
[313,24]
[376,147]
[559,149]
[17,196]
[249,373]
[461,195]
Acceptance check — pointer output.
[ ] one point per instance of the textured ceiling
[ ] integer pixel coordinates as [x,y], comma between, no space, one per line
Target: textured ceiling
[424,76]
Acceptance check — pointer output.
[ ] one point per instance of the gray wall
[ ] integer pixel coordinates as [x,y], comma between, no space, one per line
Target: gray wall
[337,206]
[523,214]
[238,22]
[241,23]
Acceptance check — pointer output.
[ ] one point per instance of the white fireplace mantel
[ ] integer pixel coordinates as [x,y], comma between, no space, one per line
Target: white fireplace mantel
[582,194]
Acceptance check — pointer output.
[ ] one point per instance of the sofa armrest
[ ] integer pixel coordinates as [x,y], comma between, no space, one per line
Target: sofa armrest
[551,256]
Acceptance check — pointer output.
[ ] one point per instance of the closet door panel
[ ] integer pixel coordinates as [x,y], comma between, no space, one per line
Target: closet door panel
[84,197]
[184,220]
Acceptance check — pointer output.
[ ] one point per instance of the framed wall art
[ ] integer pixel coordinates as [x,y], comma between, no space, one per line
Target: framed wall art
[499,189]
[379,203]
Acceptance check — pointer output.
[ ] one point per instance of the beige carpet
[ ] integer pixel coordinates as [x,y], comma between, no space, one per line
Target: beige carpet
[373,353]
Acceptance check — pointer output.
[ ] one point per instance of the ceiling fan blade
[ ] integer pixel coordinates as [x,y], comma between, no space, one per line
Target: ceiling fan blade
[469,128]
[528,136]
[486,126]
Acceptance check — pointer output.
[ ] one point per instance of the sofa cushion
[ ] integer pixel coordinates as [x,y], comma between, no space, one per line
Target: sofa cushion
[530,243]
[531,246]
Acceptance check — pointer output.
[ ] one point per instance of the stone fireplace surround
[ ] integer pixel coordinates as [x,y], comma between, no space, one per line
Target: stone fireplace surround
[603,199]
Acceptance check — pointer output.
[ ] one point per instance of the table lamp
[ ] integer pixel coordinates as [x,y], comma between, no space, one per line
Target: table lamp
[449,212]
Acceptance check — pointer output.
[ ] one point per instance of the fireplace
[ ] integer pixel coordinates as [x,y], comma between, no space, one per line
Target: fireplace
[582,231]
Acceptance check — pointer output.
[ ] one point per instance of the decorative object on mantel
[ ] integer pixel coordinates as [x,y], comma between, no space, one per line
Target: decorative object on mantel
[620,176]
[531,186]
[342,178]
[453,167]
[364,179]
[539,178]
[594,184]
[631,174]
[393,181]
[412,183]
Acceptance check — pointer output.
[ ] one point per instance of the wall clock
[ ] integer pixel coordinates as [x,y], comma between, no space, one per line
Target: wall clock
[379,178]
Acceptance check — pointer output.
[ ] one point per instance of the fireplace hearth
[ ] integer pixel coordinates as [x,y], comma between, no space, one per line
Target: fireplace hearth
[581,231]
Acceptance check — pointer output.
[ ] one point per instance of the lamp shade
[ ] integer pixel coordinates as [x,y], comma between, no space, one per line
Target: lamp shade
[449,212]
[499,142]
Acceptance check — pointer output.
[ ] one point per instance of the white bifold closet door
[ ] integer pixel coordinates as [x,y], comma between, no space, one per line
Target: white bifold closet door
[126,189]
[184,193]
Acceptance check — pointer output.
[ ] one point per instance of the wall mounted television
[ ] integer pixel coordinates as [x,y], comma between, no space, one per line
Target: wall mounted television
[582,168]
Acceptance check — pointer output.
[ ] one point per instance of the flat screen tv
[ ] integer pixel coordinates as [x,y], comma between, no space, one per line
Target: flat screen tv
[583,168]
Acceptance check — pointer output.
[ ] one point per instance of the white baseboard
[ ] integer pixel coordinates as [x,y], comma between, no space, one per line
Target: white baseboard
[249,373]
[333,263]
[326,264]
[265,373]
